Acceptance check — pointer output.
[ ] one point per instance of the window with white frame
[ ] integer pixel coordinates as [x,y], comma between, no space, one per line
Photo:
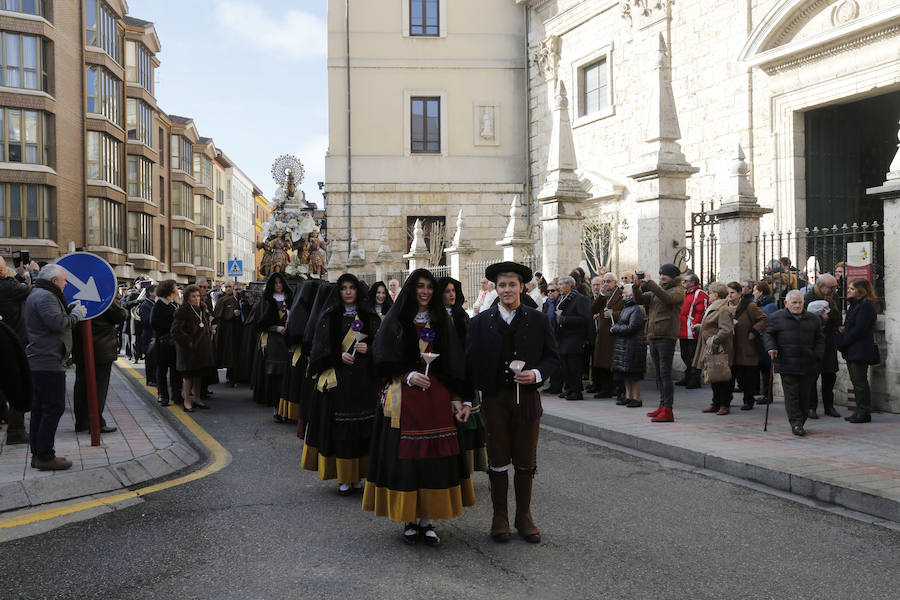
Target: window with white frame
[139,121]
[103,90]
[103,158]
[140,233]
[424,18]
[592,77]
[104,223]
[140,177]
[425,124]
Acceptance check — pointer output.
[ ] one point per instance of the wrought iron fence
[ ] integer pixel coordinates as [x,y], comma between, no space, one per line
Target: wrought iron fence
[701,251]
[476,269]
[819,250]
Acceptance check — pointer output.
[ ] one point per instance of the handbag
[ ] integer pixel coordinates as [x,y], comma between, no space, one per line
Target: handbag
[876,357]
[716,366]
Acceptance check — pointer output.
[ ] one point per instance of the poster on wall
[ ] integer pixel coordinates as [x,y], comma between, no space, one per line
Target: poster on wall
[859,260]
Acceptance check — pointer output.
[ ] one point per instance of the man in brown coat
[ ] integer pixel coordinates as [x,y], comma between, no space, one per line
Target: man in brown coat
[664,300]
[606,309]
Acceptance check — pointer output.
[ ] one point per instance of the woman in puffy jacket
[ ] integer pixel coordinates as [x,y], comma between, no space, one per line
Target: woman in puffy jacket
[630,352]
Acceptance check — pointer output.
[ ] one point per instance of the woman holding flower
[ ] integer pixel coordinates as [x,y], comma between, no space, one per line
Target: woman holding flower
[416,470]
[339,429]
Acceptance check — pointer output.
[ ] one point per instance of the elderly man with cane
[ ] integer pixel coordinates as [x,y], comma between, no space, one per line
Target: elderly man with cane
[794,340]
[510,348]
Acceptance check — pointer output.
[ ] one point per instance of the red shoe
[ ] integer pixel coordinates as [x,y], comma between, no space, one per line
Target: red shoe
[653,413]
[665,416]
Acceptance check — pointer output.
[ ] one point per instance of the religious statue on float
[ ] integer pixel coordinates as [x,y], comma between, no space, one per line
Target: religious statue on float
[291,228]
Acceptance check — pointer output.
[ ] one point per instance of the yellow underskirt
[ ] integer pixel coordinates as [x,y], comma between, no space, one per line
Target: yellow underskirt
[288,410]
[345,470]
[405,507]
[476,459]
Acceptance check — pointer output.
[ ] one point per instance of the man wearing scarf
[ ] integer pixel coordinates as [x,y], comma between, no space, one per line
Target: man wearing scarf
[49,324]
[510,348]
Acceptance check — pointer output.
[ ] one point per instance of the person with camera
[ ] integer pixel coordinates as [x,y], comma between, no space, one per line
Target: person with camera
[49,323]
[664,300]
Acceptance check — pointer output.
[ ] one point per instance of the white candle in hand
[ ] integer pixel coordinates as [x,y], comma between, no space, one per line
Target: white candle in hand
[516,367]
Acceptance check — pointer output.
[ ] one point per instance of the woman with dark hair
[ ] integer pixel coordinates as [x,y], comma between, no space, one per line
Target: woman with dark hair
[337,440]
[749,322]
[857,343]
[275,358]
[380,299]
[194,353]
[416,470]
[161,323]
[289,409]
[471,433]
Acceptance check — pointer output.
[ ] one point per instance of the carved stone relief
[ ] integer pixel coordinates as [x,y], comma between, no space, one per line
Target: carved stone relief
[485,117]
[644,10]
[546,58]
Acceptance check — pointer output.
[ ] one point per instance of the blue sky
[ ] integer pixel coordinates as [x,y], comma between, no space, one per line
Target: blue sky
[252,74]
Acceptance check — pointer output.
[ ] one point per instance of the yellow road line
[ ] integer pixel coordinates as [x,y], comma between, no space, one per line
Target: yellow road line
[221,459]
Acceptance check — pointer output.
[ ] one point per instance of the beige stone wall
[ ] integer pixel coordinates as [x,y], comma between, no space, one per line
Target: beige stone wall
[812,53]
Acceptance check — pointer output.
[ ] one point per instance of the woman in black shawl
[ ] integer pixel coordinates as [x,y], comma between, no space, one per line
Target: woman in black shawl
[304,296]
[249,353]
[416,470]
[272,326]
[471,433]
[308,405]
[380,299]
[337,441]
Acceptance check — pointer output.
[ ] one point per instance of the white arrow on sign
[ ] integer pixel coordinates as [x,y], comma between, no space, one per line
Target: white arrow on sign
[86,291]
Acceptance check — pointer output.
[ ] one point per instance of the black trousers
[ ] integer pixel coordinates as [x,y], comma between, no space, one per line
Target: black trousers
[165,364]
[80,401]
[603,380]
[572,367]
[748,380]
[722,393]
[796,397]
[688,349]
[828,381]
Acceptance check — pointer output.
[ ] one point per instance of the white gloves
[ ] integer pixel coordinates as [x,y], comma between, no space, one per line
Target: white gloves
[79,311]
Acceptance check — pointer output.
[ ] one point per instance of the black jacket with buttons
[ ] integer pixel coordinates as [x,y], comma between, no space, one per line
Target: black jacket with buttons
[534,343]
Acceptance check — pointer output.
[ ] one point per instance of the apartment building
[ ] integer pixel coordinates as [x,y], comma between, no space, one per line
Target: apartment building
[240,234]
[89,160]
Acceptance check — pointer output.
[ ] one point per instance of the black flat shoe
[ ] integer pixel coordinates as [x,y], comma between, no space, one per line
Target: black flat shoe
[343,492]
[858,418]
[186,409]
[431,540]
[575,396]
[163,402]
[501,538]
[798,430]
[747,407]
[534,538]
[201,406]
[634,403]
[411,533]
[278,418]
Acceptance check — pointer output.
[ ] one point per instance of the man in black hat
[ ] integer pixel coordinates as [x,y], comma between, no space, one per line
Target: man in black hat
[664,300]
[511,337]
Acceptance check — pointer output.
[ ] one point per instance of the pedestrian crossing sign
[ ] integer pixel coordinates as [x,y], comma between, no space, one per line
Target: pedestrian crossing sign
[235,268]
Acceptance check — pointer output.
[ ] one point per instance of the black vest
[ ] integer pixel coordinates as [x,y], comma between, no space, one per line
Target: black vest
[508,349]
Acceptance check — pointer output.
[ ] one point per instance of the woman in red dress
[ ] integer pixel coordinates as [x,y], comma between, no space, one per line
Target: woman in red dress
[416,471]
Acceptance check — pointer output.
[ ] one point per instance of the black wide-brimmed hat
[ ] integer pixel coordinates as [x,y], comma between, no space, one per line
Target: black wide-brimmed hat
[508,267]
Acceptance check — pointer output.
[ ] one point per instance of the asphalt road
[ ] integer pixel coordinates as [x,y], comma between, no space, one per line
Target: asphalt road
[614,526]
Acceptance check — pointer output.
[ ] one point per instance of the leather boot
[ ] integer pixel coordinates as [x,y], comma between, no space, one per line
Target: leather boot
[653,413]
[499,490]
[523,481]
[665,416]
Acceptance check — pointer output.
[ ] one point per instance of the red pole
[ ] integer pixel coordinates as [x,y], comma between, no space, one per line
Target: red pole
[90,376]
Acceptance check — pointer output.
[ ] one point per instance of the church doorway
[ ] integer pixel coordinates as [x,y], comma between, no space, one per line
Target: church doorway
[849,148]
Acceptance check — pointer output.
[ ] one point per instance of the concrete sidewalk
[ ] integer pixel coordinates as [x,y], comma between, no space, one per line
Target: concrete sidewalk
[144,448]
[853,466]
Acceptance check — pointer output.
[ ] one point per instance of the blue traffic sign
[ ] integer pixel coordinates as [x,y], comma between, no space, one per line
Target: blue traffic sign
[235,268]
[89,279]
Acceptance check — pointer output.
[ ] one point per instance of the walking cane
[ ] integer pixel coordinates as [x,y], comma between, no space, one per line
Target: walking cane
[769,394]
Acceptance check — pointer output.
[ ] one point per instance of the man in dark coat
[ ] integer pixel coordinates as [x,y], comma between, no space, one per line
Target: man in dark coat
[105,354]
[15,385]
[228,333]
[573,313]
[794,340]
[824,289]
[509,349]
[145,310]
[606,308]
[13,293]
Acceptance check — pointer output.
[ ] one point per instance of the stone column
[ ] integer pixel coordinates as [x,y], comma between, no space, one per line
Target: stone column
[561,196]
[336,266]
[515,243]
[661,173]
[739,216]
[382,258]
[418,255]
[884,379]
[459,254]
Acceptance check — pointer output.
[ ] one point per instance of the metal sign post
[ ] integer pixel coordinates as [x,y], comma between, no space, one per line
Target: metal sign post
[91,281]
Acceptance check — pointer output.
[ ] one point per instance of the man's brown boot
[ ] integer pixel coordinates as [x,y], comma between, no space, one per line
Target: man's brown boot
[499,489]
[57,463]
[527,529]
